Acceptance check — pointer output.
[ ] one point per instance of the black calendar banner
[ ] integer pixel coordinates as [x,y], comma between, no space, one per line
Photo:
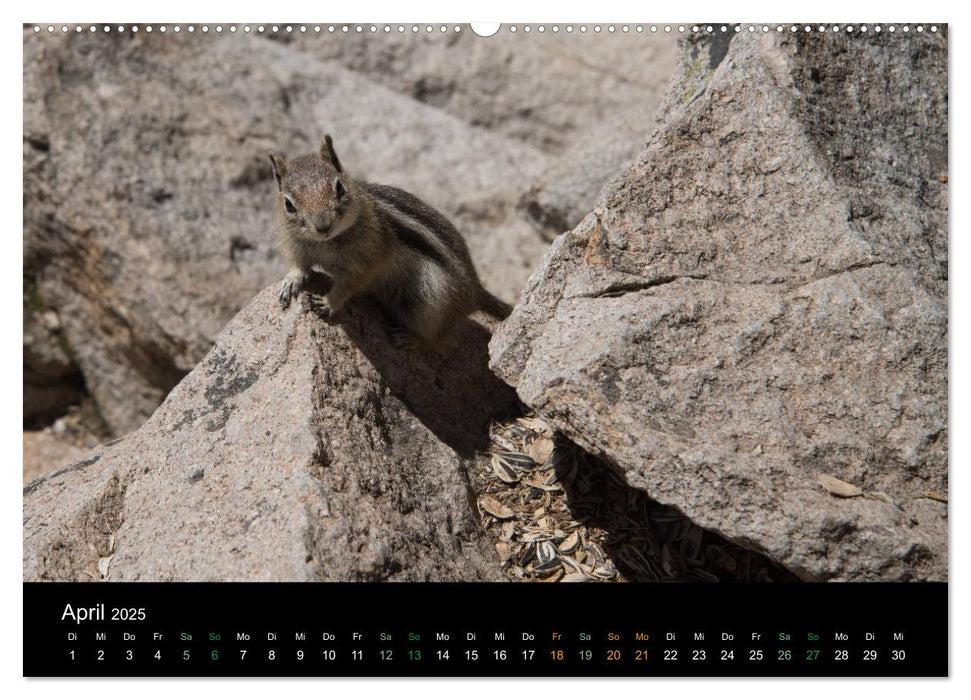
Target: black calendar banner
[470,629]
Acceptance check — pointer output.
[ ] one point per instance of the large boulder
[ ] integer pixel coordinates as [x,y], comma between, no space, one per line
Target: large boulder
[752,323]
[296,450]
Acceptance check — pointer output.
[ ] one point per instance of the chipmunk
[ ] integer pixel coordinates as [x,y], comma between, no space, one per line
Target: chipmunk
[378,240]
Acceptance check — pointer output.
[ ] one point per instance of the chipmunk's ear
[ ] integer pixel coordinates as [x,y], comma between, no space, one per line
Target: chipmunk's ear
[327,153]
[279,168]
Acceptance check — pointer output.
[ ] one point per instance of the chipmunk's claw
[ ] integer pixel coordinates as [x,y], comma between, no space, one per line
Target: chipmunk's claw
[292,284]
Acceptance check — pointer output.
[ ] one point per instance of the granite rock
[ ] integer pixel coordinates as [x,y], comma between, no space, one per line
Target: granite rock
[297,450]
[761,299]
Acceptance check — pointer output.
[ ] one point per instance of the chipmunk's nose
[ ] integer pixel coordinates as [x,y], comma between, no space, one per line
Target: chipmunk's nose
[321,222]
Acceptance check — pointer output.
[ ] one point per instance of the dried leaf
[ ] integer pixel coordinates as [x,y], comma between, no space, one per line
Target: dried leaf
[494,508]
[838,487]
[570,543]
[540,449]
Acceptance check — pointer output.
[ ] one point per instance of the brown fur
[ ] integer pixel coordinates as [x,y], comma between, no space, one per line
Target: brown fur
[378,240]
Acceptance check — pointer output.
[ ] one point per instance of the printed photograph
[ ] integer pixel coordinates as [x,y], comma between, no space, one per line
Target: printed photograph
[366,303]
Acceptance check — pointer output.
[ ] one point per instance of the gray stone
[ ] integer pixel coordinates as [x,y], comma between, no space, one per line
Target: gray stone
[296,450]
[585,99]
[550,90]
[762,298]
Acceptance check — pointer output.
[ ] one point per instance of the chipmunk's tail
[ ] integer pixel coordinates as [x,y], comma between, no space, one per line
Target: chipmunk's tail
[493,305]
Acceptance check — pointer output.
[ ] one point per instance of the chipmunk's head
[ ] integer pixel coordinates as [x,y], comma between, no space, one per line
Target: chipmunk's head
[316,199]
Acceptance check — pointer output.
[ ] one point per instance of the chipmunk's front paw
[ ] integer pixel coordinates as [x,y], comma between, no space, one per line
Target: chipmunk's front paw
[292,284]
[321,306]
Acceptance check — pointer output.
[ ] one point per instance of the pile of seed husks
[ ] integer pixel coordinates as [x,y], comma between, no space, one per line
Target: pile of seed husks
[558,514]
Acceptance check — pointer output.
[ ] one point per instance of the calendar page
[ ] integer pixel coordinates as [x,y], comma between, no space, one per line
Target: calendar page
[338,336]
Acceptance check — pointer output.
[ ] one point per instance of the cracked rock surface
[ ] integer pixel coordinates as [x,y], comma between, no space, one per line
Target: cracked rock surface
[296,450]
[761,299]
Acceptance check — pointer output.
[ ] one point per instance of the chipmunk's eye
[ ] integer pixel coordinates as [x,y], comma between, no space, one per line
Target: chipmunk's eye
[339,187]
[288,205]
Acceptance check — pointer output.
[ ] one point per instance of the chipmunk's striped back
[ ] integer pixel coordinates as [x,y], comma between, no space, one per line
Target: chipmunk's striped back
[415,215]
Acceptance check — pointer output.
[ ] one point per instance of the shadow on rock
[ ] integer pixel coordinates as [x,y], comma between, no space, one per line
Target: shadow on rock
[455,397]
[648,541]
